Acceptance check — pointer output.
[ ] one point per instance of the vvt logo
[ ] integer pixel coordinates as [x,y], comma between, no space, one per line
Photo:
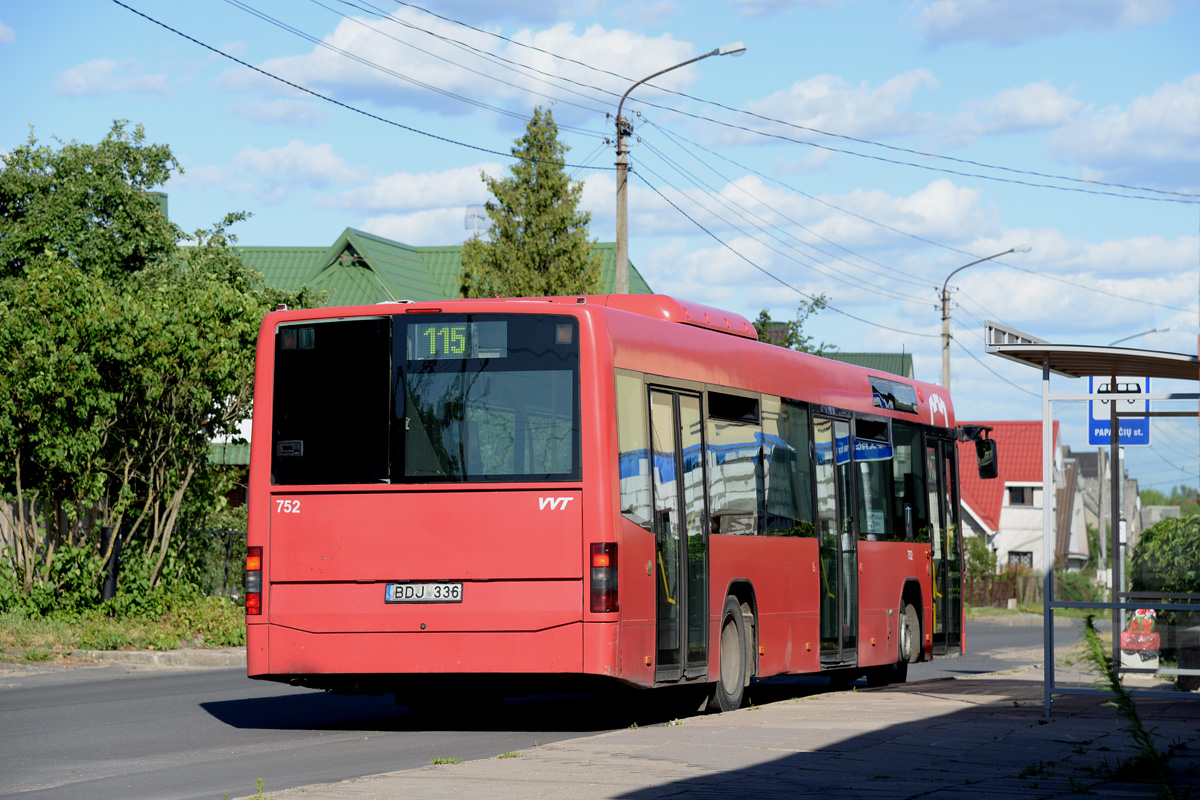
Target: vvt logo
[554,503]
[938,405]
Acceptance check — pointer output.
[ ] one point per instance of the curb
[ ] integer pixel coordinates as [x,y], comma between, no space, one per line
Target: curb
[194,658]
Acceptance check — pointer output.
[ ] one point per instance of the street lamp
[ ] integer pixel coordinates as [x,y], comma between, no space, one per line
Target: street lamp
[1143,333]
[624,128]
[1021,248]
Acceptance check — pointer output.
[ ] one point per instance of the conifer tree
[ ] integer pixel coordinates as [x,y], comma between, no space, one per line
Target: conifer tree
[537,243]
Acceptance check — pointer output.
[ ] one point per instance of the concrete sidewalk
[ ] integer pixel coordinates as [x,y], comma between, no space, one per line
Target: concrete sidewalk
[985,736]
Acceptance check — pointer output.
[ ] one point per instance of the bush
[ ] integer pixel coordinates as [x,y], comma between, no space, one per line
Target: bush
[1167,557]
[68,583]
[980,558]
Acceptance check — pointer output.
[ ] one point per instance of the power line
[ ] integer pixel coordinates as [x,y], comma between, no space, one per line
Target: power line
[339,103]
[767,228]
[919,238]
[733,184]
[491,58]
[1177,197]
[772,276]
[989,369]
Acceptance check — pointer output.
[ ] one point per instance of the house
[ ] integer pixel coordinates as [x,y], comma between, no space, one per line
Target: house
[1095,493]
[362,268]
[1007,511]
[896,363]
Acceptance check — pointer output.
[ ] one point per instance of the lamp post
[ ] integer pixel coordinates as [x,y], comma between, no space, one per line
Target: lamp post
[624,128]
[1143,333]
[1021,248]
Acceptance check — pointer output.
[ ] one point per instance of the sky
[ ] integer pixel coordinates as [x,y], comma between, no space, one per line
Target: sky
[863,150]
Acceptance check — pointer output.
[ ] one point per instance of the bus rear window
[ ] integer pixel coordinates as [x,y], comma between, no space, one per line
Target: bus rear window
[434,398]
[331,402]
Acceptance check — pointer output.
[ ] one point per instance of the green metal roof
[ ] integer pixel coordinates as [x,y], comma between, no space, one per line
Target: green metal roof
[896,363]
[361,268]
[231,454]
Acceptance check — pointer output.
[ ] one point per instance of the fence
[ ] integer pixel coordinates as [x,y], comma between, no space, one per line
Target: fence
[1026,589]
[233,558]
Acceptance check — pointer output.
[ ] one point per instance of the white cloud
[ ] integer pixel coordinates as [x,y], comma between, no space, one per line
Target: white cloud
[413,60]
[1078,291]
[829,103]
[104,76]
[272,174]
[430,190]
[940,211]
[1036,105]
[1011,22]
[1156,139]
[7,34]
[437,226]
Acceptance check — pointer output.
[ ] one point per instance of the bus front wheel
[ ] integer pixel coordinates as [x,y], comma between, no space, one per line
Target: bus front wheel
[730,688]
[910,635]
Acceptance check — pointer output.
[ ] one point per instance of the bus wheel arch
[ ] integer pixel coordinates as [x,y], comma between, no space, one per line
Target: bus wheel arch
[737,647]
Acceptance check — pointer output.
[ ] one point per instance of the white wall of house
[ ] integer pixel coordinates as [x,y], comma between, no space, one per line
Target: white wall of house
[1019,538]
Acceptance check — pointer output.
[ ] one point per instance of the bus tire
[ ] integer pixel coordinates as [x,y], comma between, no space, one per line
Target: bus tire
[730,688]
[910,635]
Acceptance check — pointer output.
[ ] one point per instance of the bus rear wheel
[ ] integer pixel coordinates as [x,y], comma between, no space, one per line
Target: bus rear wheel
[730,688]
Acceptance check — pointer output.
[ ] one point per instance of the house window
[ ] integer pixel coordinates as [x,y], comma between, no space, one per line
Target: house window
[1017,558]
[1020,495]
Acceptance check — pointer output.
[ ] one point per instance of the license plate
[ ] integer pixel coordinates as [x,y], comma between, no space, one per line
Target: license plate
[442,592]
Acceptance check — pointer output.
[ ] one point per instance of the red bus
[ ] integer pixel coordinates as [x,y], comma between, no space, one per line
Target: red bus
[524,494]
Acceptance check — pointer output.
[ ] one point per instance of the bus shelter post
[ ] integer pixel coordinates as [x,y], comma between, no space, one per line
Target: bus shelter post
[1048,535]
[1115,556]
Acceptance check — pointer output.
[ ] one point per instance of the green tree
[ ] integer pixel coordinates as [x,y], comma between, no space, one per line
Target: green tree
[791,334]
[186,352]
[56,414]
[87,204]
[537,243]
[1186,497]
[122,355]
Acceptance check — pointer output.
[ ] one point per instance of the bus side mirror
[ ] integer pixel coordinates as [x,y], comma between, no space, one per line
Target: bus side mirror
[985,458]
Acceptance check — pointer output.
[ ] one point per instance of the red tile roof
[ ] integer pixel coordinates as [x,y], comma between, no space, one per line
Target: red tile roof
[1018,459]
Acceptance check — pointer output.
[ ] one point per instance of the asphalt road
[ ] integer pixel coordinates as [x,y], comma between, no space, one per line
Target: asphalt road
[124,732]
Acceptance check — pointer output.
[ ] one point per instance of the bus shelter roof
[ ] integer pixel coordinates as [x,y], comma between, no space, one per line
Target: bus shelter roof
[1081,360]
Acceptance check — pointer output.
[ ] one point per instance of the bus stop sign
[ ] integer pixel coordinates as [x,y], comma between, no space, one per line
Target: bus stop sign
[1129,396]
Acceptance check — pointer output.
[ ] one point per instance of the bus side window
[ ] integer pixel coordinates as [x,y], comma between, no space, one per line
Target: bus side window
[873,461]
[912,498]
[633,456]
[786,503]
[734,463]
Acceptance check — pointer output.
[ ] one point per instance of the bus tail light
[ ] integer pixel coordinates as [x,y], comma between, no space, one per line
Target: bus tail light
[604,577]
[253,580]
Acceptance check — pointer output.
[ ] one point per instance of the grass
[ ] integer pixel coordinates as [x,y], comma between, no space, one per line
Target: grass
[993,612]
[987,612]
[452,760]
[1151,764]
[201,622]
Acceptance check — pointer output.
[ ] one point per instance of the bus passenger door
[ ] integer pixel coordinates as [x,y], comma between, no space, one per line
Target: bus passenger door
[676,440]
[946,546]
[837,541]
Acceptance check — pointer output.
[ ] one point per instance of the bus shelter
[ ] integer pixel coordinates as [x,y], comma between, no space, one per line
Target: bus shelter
[1079,361]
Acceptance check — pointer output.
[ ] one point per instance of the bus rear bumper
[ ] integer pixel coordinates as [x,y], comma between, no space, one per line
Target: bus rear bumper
[274,652]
